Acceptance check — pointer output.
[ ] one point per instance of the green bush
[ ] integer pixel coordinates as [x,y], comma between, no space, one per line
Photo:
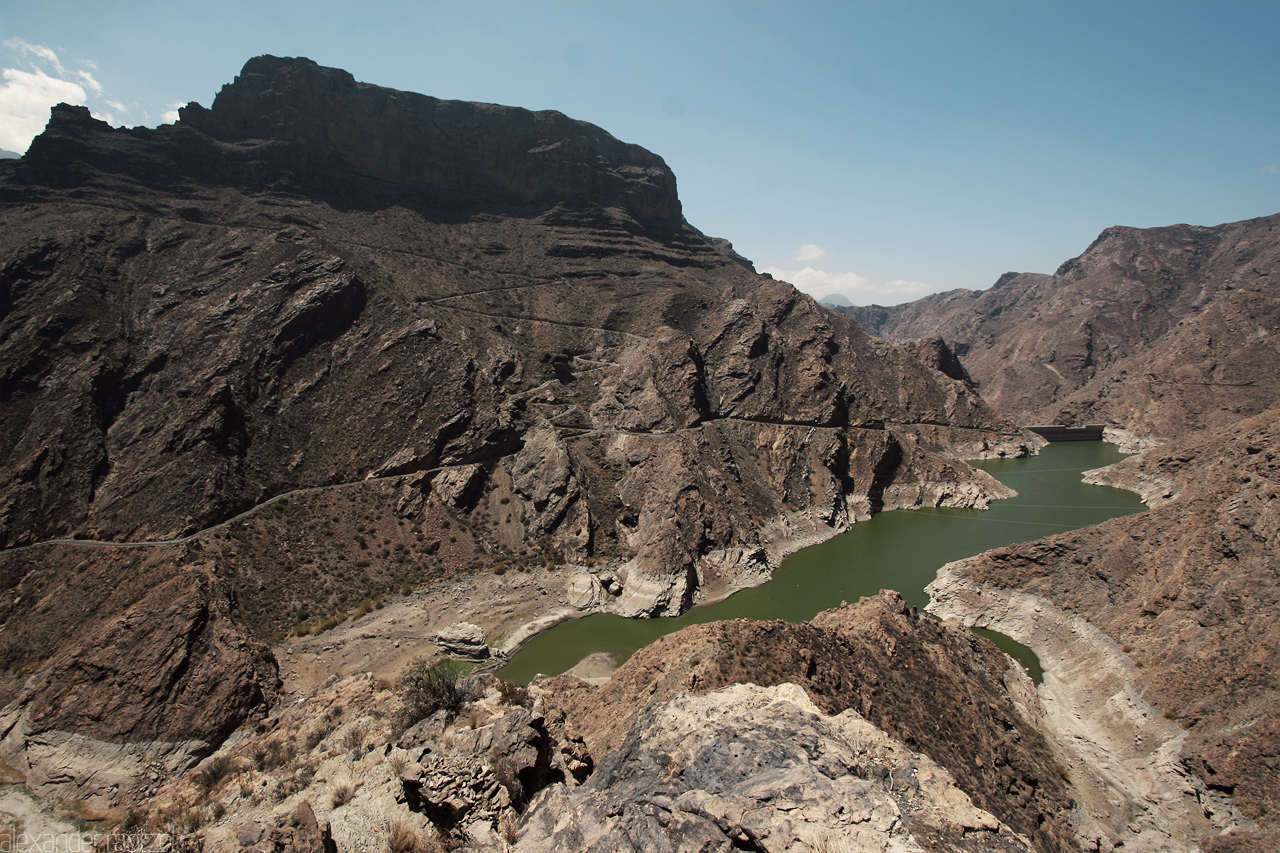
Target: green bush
[426,688]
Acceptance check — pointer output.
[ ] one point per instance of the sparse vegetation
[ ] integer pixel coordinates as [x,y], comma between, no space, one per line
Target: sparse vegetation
[426,688]
[512,693]
[343,793]
[507,826]
[212,773]
[353,738]
[403,838]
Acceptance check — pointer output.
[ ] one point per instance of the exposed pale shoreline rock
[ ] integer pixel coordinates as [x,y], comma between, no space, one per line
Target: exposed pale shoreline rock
[1121,754]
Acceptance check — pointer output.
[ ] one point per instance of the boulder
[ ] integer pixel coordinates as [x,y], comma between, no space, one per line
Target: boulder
[463,640]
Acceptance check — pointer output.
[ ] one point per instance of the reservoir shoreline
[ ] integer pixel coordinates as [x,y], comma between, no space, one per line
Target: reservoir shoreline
[893,550]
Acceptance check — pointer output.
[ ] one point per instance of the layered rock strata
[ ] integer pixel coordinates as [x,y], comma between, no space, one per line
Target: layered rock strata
[1161,331]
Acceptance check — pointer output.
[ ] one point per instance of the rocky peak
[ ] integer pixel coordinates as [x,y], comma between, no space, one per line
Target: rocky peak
[449,150]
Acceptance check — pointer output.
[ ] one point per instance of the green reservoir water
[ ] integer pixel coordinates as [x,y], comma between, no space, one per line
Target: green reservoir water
[900,550]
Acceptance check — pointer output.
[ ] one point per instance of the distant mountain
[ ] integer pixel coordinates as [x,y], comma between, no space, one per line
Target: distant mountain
[1164,331]
[5,154]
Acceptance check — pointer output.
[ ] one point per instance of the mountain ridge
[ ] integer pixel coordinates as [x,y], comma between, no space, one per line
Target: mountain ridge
[1161,331]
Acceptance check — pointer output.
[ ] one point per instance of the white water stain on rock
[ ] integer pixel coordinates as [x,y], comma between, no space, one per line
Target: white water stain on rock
[1121,755]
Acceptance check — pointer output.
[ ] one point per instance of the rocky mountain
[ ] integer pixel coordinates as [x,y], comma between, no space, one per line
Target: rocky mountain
[1160,625]
[1172,611]
[324,342]
[1162,331]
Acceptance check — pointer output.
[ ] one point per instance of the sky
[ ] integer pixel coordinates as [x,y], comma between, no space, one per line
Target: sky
[879,150]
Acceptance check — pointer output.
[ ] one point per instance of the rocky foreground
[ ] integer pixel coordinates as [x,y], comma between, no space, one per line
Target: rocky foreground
[837,750]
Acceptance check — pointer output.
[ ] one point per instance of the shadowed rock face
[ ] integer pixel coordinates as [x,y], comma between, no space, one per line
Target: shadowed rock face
[1159,330]
[451,335]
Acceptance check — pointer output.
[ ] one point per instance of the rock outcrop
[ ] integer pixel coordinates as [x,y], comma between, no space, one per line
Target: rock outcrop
[945,693]
[754,768]
[1162,331]
[463,640]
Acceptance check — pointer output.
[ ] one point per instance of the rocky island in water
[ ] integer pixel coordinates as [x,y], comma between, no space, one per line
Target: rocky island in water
[327,385]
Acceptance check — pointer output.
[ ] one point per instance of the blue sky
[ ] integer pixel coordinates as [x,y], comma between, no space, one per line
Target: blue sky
[881,150]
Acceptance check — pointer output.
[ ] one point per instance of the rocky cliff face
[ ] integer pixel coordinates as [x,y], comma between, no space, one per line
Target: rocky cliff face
[325,341]
[1162,331]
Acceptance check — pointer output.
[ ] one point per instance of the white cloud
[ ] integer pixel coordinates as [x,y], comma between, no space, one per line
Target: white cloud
[39,51]
[821,284]
[88,80]
[809,252]
[25,99]
[1273,169]
[170,115]
[27,94]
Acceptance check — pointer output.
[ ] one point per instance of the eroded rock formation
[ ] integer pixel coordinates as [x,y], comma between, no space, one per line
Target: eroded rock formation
[1162,331]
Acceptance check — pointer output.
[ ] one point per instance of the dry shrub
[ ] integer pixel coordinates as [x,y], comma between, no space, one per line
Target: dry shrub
[343,793]
[403,838]
[276,752]
[212,773]
[182,818]
[353,738]
[513,694]
[426,688]
[507,827]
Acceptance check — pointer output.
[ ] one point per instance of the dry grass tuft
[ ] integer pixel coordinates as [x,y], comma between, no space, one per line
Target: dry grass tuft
[403,838]
[343,793]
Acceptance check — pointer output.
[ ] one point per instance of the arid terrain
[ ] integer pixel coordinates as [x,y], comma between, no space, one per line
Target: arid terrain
[328,381]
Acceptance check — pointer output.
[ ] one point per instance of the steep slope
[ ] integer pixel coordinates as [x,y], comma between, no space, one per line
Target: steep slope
[325,341]
[1185,597]
[1160,330]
